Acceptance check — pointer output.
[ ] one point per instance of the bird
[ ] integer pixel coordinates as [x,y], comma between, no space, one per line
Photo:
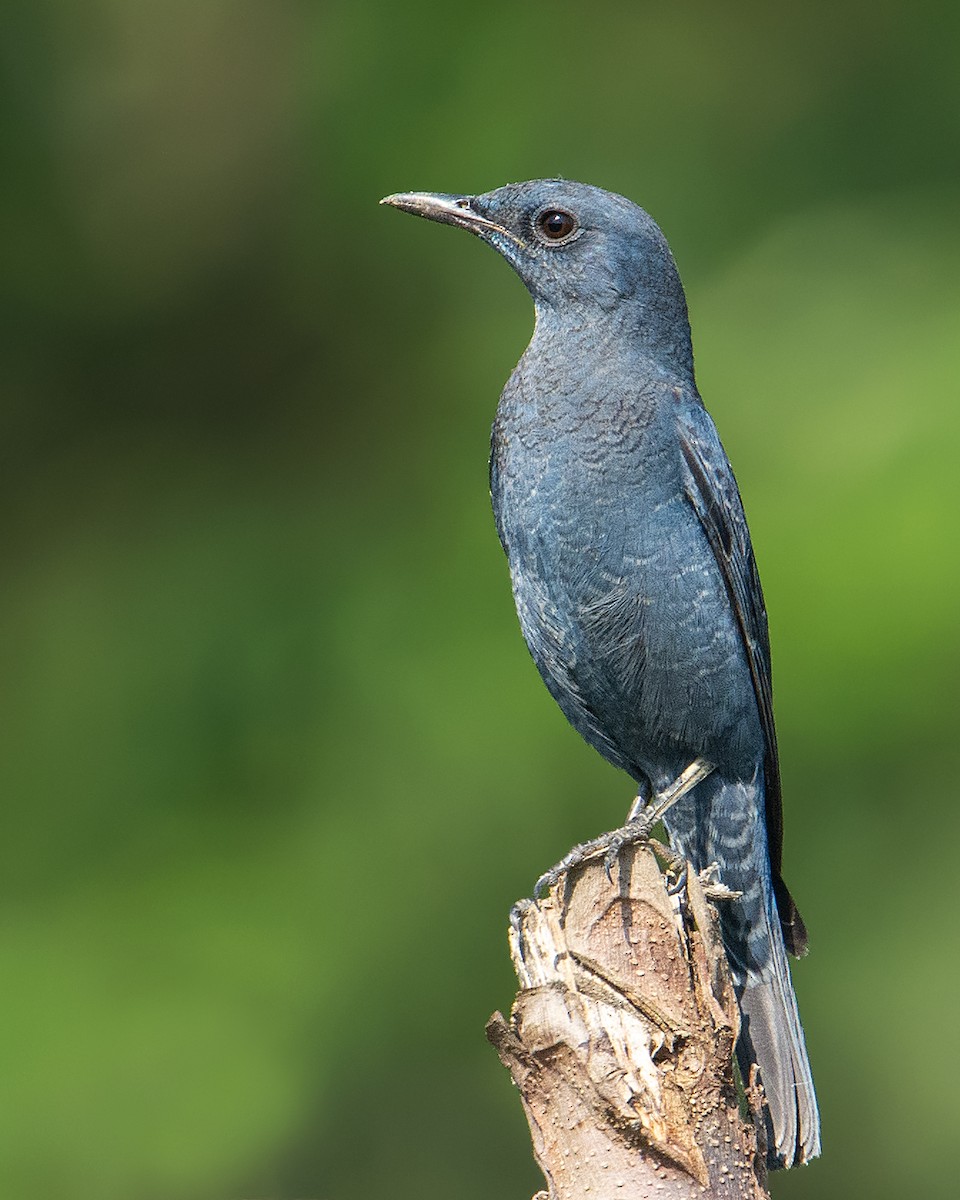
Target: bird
[635,580]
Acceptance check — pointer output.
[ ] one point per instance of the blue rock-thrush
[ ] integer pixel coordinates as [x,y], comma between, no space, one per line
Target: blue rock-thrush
[635,581]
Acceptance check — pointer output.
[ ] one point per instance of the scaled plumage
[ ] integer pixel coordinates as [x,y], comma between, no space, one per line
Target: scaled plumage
[634,575]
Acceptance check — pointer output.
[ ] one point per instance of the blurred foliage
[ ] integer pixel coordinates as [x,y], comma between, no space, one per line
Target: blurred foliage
[275,761]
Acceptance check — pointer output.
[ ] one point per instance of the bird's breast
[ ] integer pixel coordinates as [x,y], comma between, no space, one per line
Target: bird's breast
[619,596]
[584,472]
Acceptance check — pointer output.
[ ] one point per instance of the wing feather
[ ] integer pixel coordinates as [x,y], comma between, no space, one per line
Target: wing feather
[715,497]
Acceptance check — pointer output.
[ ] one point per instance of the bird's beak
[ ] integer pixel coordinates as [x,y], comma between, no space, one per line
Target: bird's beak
[448,210]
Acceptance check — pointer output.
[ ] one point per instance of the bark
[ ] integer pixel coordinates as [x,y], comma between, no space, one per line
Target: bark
[621,1040]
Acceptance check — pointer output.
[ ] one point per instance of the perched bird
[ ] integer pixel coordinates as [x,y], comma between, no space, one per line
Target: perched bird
[634,577]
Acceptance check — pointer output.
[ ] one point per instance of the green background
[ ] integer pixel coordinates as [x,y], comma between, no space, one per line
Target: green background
[274,760]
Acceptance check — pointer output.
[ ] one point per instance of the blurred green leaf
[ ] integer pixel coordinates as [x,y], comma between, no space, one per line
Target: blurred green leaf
[269,737]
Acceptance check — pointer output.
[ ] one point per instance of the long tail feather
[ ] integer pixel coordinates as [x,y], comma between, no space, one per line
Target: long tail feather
[772,1037]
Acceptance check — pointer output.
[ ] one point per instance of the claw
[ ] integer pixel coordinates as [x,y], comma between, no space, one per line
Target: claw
[710,874]
[544,883]
[516,916]
[640,821]
[713,886]
[679,883]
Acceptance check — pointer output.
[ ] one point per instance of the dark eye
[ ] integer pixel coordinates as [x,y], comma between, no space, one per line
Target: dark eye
[555,224]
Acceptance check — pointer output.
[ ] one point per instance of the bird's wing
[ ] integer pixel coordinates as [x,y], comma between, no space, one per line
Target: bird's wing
[712,490]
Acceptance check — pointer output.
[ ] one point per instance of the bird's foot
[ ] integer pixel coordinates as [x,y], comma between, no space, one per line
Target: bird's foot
[713,887]
[581,853]
[640,821]
[517,914]
[636,830]
[674,865]
[609,845]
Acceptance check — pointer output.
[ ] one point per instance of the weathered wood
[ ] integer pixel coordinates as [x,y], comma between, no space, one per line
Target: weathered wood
[621,1040]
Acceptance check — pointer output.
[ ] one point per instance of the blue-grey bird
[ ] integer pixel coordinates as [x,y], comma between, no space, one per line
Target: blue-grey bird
[634,576]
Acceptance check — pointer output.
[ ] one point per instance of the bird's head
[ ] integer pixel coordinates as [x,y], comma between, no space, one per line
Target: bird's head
[582,252]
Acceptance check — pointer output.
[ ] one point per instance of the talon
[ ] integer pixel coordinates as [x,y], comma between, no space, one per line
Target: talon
[710,874]
[713,886]
[543,884]
[680,882]
[640,822]
[516,916]
[719,891]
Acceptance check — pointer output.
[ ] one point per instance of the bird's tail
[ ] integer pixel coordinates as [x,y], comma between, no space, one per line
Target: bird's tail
[722,822]
[772,1037]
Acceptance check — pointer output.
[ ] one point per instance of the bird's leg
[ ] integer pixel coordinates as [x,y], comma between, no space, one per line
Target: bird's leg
[641,819]
[663,801]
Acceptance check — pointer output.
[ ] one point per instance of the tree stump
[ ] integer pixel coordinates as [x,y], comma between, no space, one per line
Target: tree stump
[621,1040]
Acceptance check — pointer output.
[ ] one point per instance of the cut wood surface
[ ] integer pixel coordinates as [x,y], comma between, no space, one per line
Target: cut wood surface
[621,1040]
